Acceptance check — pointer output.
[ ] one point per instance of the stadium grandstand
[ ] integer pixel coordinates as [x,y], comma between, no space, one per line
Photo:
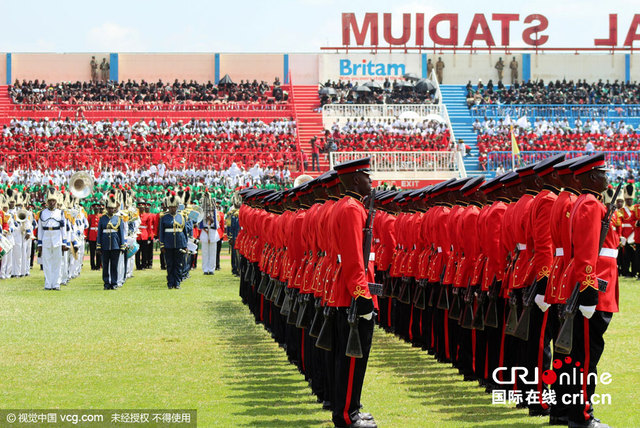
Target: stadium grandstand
[282,119]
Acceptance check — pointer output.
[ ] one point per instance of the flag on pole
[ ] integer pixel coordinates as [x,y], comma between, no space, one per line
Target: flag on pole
[514,144]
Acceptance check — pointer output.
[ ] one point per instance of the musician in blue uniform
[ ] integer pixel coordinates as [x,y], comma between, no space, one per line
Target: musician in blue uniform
[111,243]
[172,234]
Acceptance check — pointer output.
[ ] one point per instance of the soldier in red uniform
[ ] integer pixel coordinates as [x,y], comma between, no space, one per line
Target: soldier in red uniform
[592,267]
[630,216]
[538,351]
[92,235]
[352,283]
[559,222]
[144,236]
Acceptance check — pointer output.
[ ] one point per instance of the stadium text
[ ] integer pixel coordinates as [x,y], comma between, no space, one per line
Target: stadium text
[347,68]
[443,30]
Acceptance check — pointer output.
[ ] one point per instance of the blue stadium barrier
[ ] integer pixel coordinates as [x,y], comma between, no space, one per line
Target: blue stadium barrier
[568,111]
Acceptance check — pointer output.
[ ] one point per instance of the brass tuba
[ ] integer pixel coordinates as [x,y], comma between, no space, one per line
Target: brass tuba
[81,184]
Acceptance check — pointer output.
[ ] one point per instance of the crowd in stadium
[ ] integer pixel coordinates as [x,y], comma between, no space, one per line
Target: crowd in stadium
[41,95]
[199,143]
[557,135]
[558,92]
[388,135]
[387,92]
[151,184]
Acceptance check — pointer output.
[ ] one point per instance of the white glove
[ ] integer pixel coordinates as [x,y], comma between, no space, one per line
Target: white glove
[367,316]
[587,311]
[623,241]
[541,303]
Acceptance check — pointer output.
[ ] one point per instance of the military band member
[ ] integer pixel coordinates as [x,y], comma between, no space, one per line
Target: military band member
[173,240]
[92,235]
[111,243]
[52,241]
[209,239]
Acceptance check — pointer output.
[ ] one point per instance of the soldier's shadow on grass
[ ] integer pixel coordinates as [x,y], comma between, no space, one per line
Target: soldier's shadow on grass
[271,390]
[438,386]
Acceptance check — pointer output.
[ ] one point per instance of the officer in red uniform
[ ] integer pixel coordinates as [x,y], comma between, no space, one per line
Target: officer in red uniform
[630,216]
[92,235]
[352,283]
[144,236]
[559,223]
[592,268]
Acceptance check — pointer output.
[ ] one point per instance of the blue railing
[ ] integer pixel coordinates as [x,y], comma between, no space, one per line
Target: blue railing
[618,160]
[569,111]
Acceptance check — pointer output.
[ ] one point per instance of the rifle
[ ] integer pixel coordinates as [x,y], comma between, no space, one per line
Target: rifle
[522,329]
[564,342]
[325,337]
[316,325]
[466,321]
[419,297]
[491,319]
[478,316]
[512,318]
[303,319]
[354,346]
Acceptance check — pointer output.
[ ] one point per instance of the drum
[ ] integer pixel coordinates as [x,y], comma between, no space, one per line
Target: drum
[5,246]
[132,249]
[192,247]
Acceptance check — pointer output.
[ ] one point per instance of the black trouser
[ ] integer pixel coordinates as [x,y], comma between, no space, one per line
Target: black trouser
[349,372]
[174,259]
[140,255]
[629,267]
[163,263]
[147,254]
[110,268]
[315,161]
[96,262]
[588,344]
[218,248]
[234,256]
[536,355]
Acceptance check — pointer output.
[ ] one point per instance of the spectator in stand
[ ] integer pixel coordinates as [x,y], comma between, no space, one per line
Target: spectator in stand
[388,135]
[77,144]
[315,155]
[398,92]
[558,92]
[39,95]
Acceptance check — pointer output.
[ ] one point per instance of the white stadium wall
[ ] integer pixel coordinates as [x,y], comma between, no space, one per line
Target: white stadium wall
[304,69]
[572,67]
[312,68]
[168,67]
[3,68]
[252,66]
[53,67]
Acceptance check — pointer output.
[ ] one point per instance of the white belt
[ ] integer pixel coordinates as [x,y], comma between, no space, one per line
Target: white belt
[559,251]
[93,228]
[142,227]
[609,252]
[339,258]
[439,249]
[377,241]
[626,225]
[372,257]
[109,231]
[173,230]
[522,247]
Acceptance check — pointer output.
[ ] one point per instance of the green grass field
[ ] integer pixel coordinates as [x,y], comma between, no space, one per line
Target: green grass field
[144,346]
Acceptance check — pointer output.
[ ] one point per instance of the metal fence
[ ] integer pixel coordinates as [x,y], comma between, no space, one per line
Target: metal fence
[403,161]
[335,111]
[569,111]
[616,159]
